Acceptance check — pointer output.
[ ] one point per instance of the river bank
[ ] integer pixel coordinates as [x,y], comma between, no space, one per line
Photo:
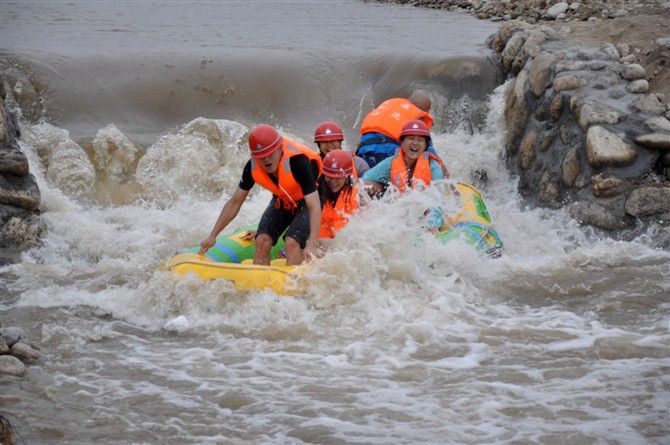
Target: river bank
[638,24]
[587,114]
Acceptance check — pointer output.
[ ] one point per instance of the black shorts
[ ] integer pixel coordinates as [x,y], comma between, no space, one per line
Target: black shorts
[274,221]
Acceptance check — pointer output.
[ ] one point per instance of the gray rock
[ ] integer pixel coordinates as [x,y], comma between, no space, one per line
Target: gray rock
[498,40]
[25,352]
[516,109]
[548,192]
[568,82]
[611,51]
[570,65]
[564,132]
[624,49]
[556,10]
[556,107]
[630,58]
[512,49]
[12,335]
[647,201]
[656,141]
[604,148]
[20,231]
[13,161]
[20,192]
[4,347]
[595,215]
[547,139]
[589,113]
[10,365]
[633,72]
[531,48]
[575,6]
[527,150]
[603,187]
[663,42]
[582,181]
[571,167]
[597,65]
[658,123]
[639,86]
[648,103]
[540,73]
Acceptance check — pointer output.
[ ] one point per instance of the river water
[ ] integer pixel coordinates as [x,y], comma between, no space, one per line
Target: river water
[140,138]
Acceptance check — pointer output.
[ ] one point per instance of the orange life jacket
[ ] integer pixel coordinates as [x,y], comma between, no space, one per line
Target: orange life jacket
[389,117]
[399,174]
[335,217]
[287,190]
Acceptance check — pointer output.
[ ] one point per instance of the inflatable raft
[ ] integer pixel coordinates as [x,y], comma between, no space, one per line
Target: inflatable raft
[471,222]
[230,258]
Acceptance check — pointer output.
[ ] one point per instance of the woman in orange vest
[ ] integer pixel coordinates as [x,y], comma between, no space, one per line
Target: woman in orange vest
[411,166]
[289,171]
[338,192]
[380,130]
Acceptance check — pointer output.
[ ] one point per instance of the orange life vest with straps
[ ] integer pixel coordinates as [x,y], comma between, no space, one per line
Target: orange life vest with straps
[399,174]
[287,190]
[335,217]
[389,117]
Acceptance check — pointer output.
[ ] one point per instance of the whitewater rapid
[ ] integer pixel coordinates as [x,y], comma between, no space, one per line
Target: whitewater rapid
[564,339]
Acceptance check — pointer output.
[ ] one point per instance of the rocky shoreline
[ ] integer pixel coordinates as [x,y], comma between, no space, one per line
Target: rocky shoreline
[587,112]
[533,11]
[20,226]
[15,354]
[584,131]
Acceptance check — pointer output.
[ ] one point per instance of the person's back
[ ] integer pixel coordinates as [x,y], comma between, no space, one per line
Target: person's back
[380,130]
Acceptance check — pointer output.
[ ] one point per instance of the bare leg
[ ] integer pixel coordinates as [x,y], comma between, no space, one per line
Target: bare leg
[293,251]
[263,247]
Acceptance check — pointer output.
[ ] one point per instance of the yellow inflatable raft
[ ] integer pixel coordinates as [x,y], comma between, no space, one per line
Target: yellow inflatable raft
[277,277]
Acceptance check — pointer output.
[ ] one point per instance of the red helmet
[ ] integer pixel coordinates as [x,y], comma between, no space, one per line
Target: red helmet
[338,164]
[415,128]
[263,141]
[328,131]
